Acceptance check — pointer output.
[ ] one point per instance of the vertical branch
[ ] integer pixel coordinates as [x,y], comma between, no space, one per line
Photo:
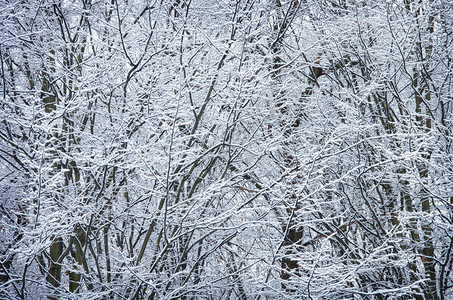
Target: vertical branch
[54,275]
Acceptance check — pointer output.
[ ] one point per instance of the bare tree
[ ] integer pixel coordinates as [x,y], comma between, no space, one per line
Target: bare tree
[226,149]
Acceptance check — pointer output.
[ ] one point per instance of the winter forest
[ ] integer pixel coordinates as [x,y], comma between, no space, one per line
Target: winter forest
[226,149]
